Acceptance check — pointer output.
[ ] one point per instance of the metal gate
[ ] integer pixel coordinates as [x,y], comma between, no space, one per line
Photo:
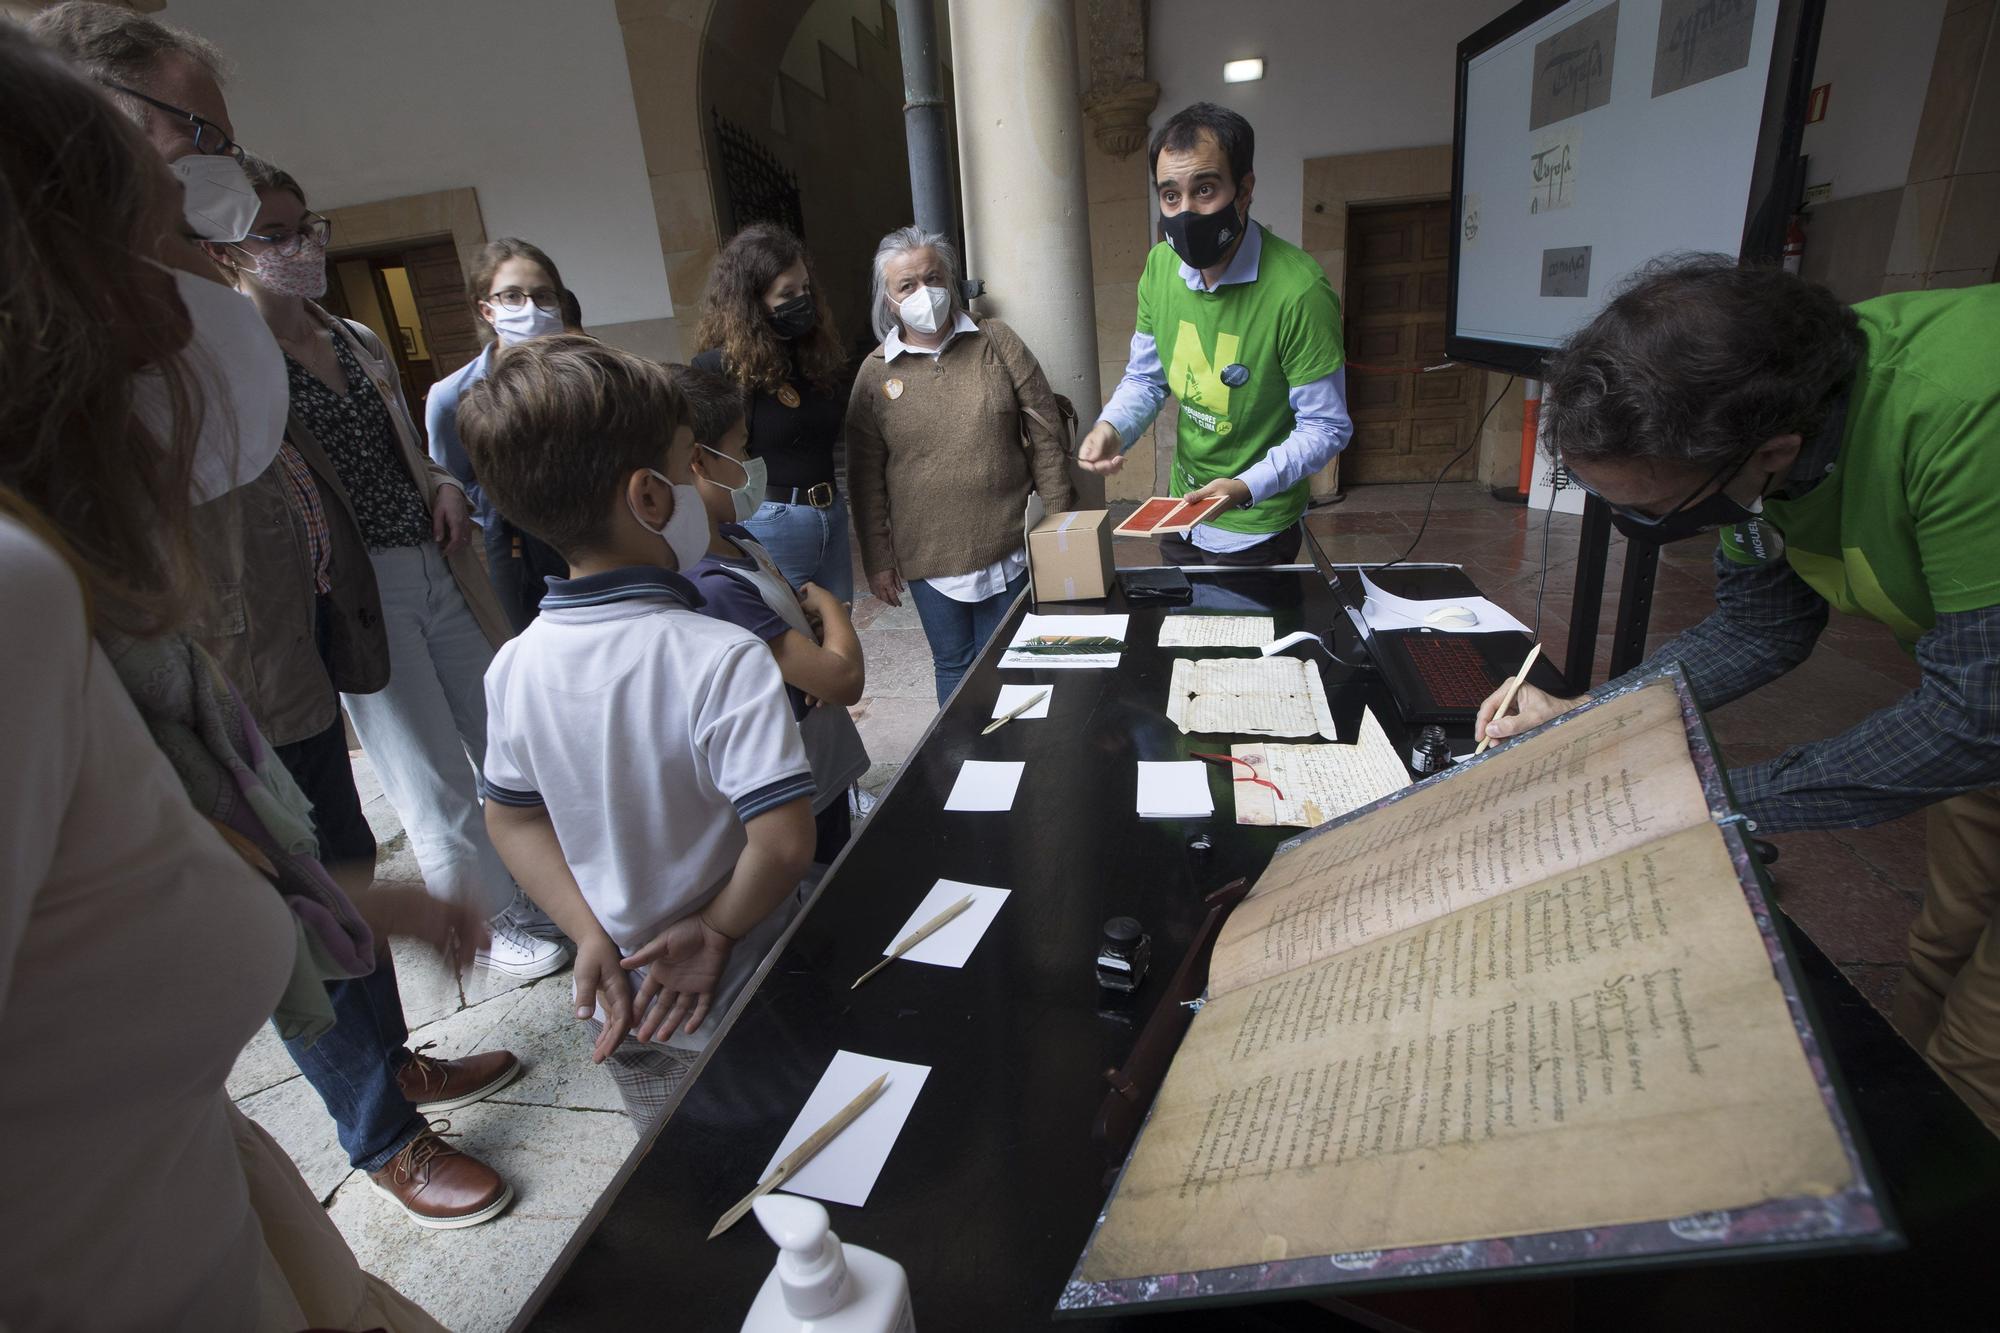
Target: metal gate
[757,187]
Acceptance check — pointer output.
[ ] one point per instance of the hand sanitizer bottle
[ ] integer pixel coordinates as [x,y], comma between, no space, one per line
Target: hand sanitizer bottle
[820,1286]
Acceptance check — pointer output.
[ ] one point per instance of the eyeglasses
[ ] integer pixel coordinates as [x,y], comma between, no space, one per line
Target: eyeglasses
[1730,467]
[513,298]
[208,136]
[287,243]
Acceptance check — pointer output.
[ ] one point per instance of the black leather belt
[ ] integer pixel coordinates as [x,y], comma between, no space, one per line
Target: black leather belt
[820,495]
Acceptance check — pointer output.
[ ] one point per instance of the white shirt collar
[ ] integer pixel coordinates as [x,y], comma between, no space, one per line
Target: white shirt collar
[893,346]
[1242,267]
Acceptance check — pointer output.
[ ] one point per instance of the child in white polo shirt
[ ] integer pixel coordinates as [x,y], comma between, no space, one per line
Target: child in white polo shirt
[809,631]
[644,780]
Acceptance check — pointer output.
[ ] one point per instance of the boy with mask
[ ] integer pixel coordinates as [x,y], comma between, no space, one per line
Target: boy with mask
[1243,329]
[1850,458]
[808,631]
[644,779]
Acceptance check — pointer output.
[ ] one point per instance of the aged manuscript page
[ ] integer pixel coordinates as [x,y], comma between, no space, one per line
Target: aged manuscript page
[1248,696]
[1612,779]
[1604,1045]
[1528,998]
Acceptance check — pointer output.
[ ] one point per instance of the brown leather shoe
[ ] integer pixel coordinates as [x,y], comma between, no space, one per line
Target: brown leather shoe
[445,1085]
[440,1187]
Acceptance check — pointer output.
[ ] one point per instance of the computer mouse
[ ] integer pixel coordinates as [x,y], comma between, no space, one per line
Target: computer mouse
[1452,617]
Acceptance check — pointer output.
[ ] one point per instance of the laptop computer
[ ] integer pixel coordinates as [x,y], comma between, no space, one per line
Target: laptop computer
[1436,676]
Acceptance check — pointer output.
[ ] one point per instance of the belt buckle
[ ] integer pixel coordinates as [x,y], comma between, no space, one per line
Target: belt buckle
[820,495]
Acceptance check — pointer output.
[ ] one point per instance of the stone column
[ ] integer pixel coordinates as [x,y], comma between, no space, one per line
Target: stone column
[1027,214]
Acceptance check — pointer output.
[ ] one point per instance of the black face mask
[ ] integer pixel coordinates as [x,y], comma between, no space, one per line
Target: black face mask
[1201,239]
[795,318]
[1686,519]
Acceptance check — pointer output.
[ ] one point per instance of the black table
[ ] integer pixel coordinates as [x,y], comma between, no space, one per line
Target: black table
[994,1184]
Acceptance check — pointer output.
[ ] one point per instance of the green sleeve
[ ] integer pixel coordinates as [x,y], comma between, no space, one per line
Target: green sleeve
[1144,322]
[1954,497]
[1309,333]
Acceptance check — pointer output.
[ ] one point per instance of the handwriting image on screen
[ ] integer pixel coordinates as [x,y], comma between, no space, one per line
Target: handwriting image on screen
[1700,40]
[1573,69]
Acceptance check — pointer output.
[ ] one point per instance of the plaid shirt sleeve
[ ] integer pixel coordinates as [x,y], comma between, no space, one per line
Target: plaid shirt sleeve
[1938,741]
[303,492]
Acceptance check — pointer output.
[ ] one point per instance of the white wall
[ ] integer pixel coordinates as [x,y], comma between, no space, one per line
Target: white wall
[1340,76]
[1877,54]
[527,101]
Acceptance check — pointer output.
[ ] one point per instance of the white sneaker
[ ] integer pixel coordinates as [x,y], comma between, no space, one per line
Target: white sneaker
[518,954]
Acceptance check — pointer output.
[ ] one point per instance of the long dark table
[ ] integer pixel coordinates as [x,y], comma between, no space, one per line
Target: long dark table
[994,1183]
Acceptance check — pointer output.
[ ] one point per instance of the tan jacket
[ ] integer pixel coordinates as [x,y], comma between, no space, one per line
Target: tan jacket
[254,550]
[937,464]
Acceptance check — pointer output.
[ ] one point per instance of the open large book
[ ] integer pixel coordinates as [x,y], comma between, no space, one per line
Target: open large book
[1531,1011]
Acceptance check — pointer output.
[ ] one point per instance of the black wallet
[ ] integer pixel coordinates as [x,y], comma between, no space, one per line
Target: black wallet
[1165,586]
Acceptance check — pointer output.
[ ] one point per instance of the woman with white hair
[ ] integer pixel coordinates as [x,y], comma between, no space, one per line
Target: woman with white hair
[950,425]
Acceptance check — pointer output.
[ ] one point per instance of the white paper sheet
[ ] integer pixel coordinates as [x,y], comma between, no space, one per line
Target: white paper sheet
[1174,790]
[1013,696]
[1385,610]
[985,784]
[1034,626]
[952,943]
[1248,696]
[1185,631]
[845,1169]
[1317,782]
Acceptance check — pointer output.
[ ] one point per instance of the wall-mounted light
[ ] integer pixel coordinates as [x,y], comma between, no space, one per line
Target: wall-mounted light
[1242,71]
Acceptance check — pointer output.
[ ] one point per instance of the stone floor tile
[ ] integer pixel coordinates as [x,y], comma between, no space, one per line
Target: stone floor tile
[294,1115]
[264,1063]
[476,1279]
[537,1023]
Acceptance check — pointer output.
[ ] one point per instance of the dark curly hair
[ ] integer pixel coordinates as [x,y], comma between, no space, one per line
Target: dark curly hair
[1697,360]
[733,315]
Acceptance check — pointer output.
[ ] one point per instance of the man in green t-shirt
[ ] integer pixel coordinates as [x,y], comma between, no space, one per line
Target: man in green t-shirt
[1242,328]
[1851,459]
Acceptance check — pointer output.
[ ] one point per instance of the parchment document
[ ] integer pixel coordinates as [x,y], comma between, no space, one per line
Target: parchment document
[1316,783]
[1607,1045]
[1248,696]
[1608,781]
[1215,631]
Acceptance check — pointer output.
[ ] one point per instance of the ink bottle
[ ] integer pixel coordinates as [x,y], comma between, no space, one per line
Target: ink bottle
[1123,954]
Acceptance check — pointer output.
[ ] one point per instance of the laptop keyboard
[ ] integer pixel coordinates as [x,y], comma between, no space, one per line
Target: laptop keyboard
[1451,670]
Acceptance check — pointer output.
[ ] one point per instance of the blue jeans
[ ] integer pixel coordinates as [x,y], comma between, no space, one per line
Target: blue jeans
[958,630]
[353,1067]
[808,544]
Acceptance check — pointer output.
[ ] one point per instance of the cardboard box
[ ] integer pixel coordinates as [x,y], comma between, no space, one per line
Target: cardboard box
[1069,556]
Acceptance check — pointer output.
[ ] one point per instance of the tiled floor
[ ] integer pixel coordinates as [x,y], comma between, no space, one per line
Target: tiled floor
[557,1134]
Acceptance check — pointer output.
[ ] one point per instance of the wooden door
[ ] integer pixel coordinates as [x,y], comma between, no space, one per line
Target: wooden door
[1406,425]
[450,327]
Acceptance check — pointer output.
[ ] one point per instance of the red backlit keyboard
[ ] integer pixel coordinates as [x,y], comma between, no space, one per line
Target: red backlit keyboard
[1450,670]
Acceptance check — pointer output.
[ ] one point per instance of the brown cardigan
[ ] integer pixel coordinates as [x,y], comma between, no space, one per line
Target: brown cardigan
[937,468]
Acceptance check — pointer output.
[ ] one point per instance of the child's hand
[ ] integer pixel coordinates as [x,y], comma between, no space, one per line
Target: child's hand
[683,966]
[600,983]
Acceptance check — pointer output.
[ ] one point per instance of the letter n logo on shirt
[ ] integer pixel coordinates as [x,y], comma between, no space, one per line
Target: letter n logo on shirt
[1195,378]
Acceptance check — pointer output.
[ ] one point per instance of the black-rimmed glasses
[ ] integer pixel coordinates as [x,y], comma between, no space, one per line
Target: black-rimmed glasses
[208,136]
[287,243]
[513,298]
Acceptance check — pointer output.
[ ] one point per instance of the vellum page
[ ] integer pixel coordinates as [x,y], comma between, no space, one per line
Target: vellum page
[1607,781]
[1604,1047]
[1215,631]
[1318,782]
[1248,696]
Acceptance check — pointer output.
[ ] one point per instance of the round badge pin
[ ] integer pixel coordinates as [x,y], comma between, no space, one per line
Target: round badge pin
[1236,375]
[788,395]
[892,389]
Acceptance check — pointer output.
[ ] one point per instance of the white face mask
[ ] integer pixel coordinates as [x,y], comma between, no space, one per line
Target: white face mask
[686,530]
[756,476]
[924,310]
[530,321]
[238,374]
[217,198]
